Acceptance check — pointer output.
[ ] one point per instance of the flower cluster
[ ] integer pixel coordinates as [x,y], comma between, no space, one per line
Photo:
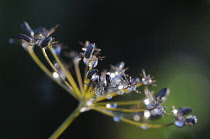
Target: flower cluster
[94,90]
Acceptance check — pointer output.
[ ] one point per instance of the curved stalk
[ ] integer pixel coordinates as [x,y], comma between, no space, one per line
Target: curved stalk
[132,102]
[67,73]
[122,109]
[42,66]
[48,60]
[78,74]
[54,69]
[67,122]
[106,112]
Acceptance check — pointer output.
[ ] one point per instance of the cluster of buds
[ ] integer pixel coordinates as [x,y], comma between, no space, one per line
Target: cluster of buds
[93,90]
[181,121]
[39,36]
[117,80]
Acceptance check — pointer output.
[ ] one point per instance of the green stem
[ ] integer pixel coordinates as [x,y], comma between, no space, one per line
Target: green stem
[67,73]
[67,122]
[138,124]
[122,109]
[120,102]
[43,67]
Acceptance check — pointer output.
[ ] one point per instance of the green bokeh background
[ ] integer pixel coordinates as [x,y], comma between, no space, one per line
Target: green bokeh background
[168,39]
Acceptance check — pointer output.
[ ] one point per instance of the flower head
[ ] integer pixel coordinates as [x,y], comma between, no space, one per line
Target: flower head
[92,87]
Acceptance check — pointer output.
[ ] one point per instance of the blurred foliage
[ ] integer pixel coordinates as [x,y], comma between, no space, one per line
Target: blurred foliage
[170,40]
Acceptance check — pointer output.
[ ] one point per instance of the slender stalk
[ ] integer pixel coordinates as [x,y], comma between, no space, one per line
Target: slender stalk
[122,109]
[79,78]
[42,66]
[54,69]
[101,98]
[67,122]
[109,113]
[48,60]
[86,81]
[119,102]
[67,73]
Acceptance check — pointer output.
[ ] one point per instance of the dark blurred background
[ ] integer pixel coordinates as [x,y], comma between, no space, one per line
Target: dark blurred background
[170,39]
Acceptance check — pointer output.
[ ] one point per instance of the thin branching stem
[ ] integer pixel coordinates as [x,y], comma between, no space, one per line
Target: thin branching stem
[54,69]
[146,125]
[67,73]
[122,109]
[79,77]
[67,122]
[119,102]
[86,81]
[42,66]
[48,60]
